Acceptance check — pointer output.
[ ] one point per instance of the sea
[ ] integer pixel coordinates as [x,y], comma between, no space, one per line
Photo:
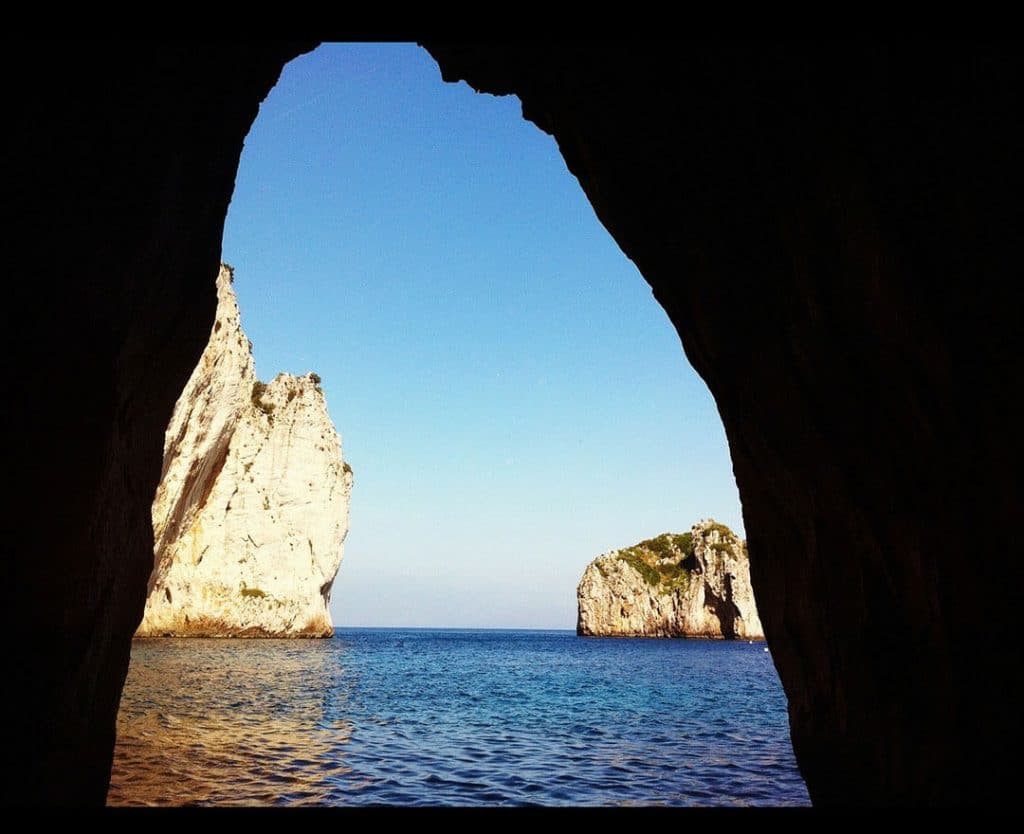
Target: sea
[420,717]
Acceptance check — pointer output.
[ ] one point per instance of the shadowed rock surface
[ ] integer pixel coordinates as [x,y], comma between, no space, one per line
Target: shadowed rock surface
[694,584]
[834,231]
[123,160]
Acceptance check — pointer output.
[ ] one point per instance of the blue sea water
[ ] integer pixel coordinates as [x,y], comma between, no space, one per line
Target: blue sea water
[453,717]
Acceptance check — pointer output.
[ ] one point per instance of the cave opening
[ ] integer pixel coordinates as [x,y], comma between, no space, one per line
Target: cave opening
[507,390]
[832,230]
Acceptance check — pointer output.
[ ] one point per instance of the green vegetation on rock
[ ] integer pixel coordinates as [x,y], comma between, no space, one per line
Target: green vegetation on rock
[684,542]
[728,538]
[635,561]
[662,560]
[675,586]
[253,592]
[666,560]
[722,530]
[674,577]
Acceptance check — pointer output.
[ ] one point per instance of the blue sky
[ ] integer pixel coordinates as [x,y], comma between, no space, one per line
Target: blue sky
[512,399]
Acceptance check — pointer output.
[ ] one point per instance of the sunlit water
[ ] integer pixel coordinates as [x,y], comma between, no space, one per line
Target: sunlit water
[396,717]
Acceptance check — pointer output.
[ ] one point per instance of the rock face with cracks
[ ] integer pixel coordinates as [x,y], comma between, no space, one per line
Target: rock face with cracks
[694,584]
[251,514]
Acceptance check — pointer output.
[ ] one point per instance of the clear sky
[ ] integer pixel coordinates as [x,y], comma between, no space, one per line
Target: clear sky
[511,397]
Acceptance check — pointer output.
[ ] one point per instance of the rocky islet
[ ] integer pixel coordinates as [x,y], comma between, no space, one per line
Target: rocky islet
[251,513]
[694,584]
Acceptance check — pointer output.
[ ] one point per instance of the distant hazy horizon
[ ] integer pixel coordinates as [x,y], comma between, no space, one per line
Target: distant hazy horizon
[510,396]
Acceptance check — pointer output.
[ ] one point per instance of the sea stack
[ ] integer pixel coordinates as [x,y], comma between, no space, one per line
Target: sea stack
[694,584]
[251,514]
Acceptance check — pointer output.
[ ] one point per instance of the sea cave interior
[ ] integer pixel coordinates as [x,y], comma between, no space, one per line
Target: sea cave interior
[831,231]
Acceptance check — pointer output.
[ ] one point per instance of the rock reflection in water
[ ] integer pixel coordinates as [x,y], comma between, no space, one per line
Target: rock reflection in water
[200,725]
[416,717]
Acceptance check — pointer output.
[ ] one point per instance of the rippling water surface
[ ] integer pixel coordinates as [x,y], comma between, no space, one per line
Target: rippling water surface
[420,717]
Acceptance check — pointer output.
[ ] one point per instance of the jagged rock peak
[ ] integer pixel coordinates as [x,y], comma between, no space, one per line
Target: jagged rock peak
[251,513]
[694,584]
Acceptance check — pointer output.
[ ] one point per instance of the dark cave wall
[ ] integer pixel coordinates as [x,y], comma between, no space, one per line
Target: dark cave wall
[834,233]
[122,160]
[834,230]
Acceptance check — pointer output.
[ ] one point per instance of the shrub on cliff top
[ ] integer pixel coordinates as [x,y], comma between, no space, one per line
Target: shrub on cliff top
[667,545]
[660,545]
[722,530]
[651,574]
[661,560]
[684,544]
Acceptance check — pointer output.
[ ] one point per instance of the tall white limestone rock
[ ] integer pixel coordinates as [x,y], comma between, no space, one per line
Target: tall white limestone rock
[251,513]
